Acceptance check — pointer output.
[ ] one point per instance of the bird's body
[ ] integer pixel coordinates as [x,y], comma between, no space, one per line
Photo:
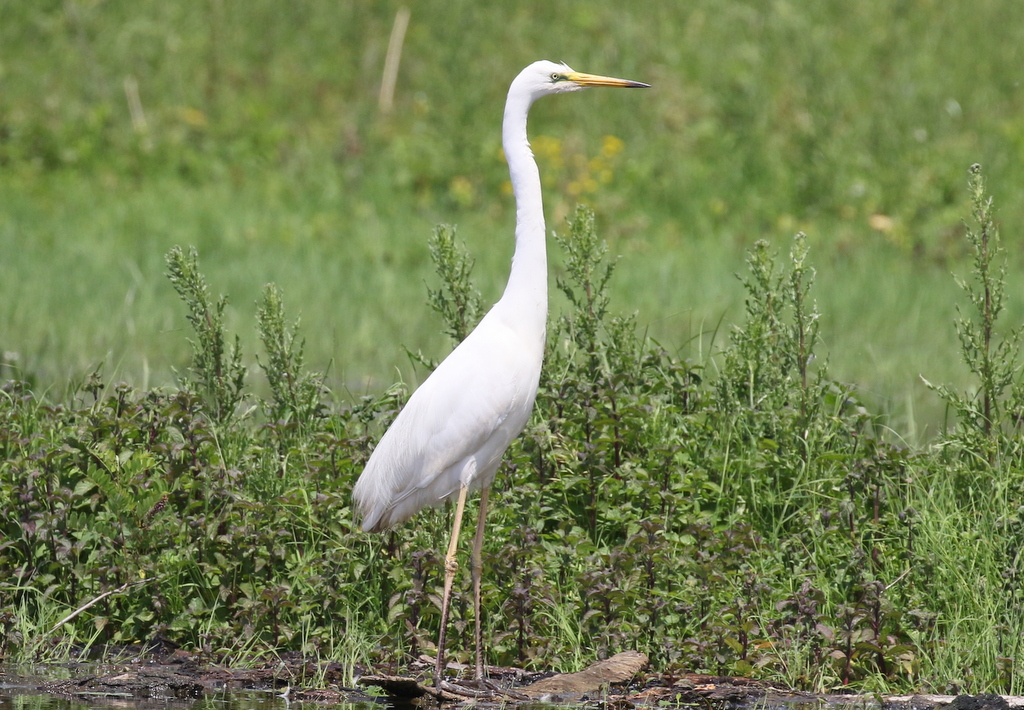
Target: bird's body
[453,431]
[442,440]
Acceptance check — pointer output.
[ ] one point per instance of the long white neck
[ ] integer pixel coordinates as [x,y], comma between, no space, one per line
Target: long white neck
[526,295]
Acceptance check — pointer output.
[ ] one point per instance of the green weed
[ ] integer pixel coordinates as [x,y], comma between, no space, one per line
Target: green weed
[988,421]
[216,368]
[295,394]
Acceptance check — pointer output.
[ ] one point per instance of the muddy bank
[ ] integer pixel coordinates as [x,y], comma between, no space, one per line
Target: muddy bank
[619,683]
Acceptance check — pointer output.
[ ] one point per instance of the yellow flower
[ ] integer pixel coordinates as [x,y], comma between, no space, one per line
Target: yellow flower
[461,189]
[193,117]
[611,146]
[881,222]
[548,150]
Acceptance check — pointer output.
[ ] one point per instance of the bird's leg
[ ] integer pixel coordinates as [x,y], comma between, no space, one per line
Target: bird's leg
[477,569]
[450,567]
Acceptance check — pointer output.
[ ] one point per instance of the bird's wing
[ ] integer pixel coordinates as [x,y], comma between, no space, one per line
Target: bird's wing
[472,405]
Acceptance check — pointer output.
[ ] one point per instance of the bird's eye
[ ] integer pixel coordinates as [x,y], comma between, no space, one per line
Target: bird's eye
[557,77]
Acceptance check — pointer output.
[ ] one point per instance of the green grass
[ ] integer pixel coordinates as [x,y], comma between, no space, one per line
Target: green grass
[82,294]
[263,147]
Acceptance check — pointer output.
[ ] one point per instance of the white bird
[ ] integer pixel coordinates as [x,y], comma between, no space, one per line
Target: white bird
[453,431]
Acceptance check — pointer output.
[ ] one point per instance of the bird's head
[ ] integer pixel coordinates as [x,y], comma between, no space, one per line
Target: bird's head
[544,77]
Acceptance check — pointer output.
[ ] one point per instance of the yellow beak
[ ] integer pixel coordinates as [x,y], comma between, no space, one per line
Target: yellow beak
[595,80]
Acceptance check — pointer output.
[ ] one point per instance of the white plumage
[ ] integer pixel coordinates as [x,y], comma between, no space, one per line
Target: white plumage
[456,426]
[453,431]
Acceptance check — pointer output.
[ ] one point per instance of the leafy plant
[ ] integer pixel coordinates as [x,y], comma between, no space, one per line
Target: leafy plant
[216,368]
[988,421]
[457,301]
[295,394]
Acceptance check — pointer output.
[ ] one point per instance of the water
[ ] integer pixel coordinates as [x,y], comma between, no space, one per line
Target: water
[19,690]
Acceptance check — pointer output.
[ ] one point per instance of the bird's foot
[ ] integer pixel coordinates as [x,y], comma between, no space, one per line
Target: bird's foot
[481,689]
[501,692]
[464,689]
[451,565]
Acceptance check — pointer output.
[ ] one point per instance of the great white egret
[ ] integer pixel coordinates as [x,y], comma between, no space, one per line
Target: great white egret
[453,431]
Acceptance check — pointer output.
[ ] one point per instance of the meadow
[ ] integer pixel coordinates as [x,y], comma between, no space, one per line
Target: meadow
[258,139]
[747,475]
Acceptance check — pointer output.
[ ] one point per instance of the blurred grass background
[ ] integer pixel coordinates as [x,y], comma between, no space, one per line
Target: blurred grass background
[256,136]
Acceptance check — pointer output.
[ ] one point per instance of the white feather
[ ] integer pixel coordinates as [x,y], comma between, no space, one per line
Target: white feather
[455,427]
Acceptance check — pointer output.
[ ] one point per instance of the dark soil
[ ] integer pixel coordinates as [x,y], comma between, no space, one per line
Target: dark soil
[180,675]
